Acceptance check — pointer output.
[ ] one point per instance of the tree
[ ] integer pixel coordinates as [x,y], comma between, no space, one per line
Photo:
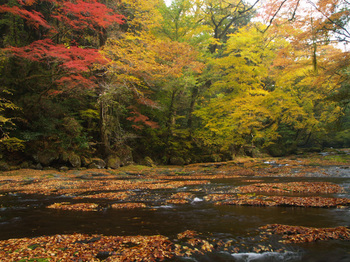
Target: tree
[234,114]
[52,47]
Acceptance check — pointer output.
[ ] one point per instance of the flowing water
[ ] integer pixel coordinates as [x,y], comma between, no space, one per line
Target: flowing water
[27,216]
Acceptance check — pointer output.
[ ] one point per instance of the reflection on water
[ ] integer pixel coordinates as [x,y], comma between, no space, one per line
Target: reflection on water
[26,216]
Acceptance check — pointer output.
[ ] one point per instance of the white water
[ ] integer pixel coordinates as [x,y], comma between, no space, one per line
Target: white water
[266,256]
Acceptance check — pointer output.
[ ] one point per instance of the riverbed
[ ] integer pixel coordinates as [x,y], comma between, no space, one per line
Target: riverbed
[172,200]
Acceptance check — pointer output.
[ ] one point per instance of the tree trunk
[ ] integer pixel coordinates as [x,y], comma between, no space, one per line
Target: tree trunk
[105,147]
[194,97]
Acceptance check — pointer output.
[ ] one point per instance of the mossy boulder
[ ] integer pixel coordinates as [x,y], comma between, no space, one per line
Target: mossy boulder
[147,161]
[85,161]
[97,163]
[45,158]
[177,161]
[4,166]
[74,160]
[125,154]
[113,161]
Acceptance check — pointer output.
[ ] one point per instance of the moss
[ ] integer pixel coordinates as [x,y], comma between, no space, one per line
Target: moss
[13,144]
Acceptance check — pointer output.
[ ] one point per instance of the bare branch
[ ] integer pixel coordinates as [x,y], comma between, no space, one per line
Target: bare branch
[274,15]
[347,33]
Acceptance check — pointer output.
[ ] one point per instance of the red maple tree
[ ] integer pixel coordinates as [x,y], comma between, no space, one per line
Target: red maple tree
[61,26]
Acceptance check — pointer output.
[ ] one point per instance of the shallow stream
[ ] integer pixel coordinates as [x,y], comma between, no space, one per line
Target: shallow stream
[23,215]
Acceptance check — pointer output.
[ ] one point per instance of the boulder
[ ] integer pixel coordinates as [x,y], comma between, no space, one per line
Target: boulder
[147,161]
[97,163]
[74,160]
[125,154]
[64,168]
[113,161]
[178,161]
[85,161]
[38,166]
[24,165]
[64,157]
[4,166]
[45,158]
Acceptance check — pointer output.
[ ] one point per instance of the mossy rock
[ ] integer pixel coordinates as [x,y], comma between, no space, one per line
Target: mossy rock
[97,163]
[85,161]
[4,166]
[74,160]
[177,161]
[45,158]
[147,161]
[113,162]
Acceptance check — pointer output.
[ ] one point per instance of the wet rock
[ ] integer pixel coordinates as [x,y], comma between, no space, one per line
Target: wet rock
[113,162]
[74,160]
[97,163]
[64,168]
[102,255]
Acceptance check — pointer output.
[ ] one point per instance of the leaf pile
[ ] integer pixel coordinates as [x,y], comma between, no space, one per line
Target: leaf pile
[77,186]
[180,198]
[123,195]
[293,187]
[128,205]
[81,247]
[75,207]
[260,200]
[300,234]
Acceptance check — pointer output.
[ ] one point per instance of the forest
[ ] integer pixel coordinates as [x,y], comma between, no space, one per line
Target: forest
[98,83]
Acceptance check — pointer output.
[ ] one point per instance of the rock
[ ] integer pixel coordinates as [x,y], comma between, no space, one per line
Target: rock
[48,168]
[39,166]
[113,162]
[45,158]
[93,166]
[97,163]
[4,166]
[85,161]
[148,162]
[64,157]
[24,165]
[125,154]
[178,161]
[64,168]
[74,160]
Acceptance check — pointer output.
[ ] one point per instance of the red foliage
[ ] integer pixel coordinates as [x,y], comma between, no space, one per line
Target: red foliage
[74,58]
[81,14]
[60,14]
[140,118]
[78,14]
[32,17]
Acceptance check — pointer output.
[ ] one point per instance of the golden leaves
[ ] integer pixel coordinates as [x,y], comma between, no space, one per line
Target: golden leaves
[76,207]
[300,234]
[301,187]
[123,195]
[260,200]
[82,247]
[128,205]
[180,198]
